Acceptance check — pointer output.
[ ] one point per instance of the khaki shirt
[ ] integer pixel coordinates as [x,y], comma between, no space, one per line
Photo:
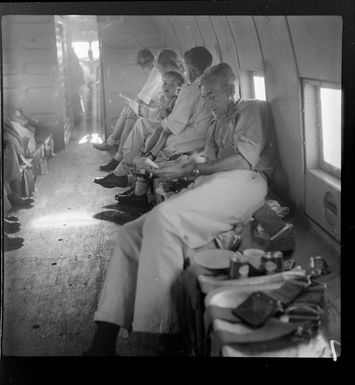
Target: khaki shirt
[246,129]
[189,121]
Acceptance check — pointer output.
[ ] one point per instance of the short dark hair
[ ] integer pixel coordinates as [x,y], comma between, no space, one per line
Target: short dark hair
[221,72]
[169,58]
[176,76]
[199,57]
[145,57]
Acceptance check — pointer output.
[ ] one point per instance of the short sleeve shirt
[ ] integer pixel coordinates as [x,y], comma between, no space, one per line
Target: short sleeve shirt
[189,121]
[246,129]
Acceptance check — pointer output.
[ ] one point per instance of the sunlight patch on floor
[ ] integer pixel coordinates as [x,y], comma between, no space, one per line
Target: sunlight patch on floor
[72,219]
[92,138]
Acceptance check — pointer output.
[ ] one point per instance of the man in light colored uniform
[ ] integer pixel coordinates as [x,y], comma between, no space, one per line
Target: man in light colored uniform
[140,288]
[188,122]
[127,118]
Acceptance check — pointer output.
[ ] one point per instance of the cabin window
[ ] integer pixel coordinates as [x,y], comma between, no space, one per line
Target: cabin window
[330,111]
[322,119]
[259,87]
[322,104]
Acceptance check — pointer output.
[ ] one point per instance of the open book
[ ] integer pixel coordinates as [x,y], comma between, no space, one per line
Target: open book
[140,109]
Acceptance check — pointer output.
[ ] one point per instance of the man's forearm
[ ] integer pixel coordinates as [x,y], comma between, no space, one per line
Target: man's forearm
[227,164]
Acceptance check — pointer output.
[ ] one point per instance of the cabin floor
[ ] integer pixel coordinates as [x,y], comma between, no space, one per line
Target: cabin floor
[52,283]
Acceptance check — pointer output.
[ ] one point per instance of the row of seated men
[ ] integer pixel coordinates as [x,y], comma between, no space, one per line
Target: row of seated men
[16,147]
[214,155]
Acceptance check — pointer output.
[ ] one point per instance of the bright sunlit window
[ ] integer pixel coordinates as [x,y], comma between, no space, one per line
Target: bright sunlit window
[95,49]
[331,126]
[81,49]
[259,87]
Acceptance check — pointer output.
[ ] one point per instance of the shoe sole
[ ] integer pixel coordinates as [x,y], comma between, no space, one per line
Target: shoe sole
[102,149]
[141,204]
[109,186]
[107,169]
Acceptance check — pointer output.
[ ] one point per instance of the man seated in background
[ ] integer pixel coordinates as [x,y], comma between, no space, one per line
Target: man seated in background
[172,83]
[127,118]
[12,175]
[140,290]
[187,125]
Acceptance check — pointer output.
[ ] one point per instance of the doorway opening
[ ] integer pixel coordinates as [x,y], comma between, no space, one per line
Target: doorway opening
[86,87]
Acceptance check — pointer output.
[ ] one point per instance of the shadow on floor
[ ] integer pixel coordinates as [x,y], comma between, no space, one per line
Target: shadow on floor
[118,217]
[121,214]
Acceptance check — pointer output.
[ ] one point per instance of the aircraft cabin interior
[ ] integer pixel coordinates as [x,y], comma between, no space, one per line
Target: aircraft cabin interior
[171,185]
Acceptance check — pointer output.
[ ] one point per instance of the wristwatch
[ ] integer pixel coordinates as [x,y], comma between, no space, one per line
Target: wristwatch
[196,172]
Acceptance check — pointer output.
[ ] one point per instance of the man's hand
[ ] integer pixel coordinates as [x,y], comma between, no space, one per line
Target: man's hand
[162,112]
[144,163]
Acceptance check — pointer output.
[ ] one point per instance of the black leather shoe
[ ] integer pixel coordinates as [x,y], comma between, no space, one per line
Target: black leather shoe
[110,166]
[112,180]
[132,199]
[125,193]
[103,146]
[12,243]
[12,218]
[11,226]
[17,201]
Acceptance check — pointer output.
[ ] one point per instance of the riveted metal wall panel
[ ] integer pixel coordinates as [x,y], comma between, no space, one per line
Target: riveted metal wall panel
[284,96]
[30,69]
[209,37]
[323,201]
[317,41]
[167,33]
[183,32]
[121,38]
[225,41]
[246,39]
[192,23]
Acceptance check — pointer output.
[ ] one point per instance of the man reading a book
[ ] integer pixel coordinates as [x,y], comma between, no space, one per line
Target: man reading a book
[188,123]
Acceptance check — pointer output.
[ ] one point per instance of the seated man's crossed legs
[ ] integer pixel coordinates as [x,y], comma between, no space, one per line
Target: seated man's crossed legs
[137,196]
[131,148]
[139,290]
[119,135]
[113,140]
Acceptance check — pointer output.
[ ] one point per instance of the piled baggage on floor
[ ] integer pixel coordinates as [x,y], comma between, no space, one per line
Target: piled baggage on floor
[34,146]
[244,301]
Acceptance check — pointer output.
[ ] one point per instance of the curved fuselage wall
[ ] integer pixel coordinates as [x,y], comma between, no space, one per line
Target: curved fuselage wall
[121,37]
[286,49]
[31,70]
